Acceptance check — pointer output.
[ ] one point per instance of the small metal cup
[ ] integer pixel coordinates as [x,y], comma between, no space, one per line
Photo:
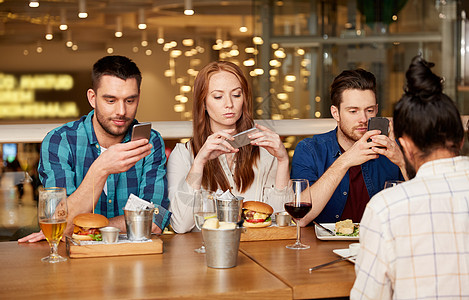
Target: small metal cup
[110,234]
[229,210]
[282,218]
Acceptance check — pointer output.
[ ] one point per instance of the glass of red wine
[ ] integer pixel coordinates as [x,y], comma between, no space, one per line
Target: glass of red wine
[298,205]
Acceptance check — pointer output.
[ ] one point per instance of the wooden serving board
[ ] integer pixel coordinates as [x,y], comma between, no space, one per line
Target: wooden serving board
[272,232]
[99,249]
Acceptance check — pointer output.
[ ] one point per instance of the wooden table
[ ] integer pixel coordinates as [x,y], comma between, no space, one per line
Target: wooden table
[177,273]
[291,266]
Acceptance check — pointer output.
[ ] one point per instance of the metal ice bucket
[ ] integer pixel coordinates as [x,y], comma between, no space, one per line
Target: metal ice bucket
[221,247]
[138,224]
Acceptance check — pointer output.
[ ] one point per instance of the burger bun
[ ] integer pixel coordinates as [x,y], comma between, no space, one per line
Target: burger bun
[258,206]
[81,237]
[89,220]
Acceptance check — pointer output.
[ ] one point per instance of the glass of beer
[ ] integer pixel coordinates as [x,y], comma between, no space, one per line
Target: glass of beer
[52,215]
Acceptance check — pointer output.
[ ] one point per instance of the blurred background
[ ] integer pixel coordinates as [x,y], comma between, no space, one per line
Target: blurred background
[290,49]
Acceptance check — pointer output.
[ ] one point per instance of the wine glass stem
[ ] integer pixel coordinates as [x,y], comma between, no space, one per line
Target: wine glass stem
[298,232]
[53,249]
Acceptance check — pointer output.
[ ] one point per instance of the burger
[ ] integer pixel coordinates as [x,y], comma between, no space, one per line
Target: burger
[257,214]
[87,226]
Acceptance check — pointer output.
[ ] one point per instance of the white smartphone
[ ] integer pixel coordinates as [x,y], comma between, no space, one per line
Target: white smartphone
[241,139]
[141,131]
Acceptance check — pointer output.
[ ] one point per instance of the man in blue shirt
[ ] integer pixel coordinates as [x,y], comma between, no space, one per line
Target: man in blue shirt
[344,169]
[94,159]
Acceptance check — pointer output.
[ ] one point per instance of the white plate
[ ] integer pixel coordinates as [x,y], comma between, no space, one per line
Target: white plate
[324,235]
[344,253]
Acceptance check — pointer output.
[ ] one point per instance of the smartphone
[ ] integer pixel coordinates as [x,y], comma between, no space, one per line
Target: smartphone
[379,123]
[241,139]
[141,131]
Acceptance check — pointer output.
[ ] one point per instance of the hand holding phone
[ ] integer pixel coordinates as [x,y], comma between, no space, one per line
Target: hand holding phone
[141,131]
[242,139]
[379,123]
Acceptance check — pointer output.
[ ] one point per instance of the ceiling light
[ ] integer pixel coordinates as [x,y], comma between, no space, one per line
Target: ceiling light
[160,39]
[179,107]
[188,11]
[33,3]
[82,14]
[69,42]
[144,42]
[148,52]
[188,42]
[49,34]
[110,50]
[141,19]
[175,53]
[257,40]
[290,78]
[63,19]
[243,27]
[249,62]
[118,32]
[75,47]
[280,53]
[259,71]
[185,89]
[249,50]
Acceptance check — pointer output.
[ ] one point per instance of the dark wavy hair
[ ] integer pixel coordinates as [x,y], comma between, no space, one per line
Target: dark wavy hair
[358,79]
[425,114]
[247,156]
[115,65]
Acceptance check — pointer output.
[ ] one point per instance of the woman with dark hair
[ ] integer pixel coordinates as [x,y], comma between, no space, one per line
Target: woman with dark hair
[222,107]
[413,236]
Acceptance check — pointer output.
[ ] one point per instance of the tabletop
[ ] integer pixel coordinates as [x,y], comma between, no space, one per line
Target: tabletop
[292,266]
[177,273]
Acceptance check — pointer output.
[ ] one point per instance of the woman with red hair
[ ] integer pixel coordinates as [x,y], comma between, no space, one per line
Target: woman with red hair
[222,107]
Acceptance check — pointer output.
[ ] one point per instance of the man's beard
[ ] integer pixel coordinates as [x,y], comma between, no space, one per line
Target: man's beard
[349,133]
[105,124]
[409,168]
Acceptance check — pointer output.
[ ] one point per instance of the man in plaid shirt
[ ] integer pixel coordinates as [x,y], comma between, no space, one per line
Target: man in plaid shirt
[415,236]
[94,159]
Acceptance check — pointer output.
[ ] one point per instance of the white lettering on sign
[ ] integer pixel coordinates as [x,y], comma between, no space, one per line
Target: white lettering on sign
[39,110]
[18,97]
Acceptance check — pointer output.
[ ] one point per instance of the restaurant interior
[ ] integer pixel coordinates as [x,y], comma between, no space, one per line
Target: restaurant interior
[290,49]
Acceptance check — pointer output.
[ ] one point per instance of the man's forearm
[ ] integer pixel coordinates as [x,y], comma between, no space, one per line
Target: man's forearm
[321,191]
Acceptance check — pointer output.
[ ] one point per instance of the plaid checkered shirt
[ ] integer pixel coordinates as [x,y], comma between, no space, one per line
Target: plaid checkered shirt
[68,151]
[415,237]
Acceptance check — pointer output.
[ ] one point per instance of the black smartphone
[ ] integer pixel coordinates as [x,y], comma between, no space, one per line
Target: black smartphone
[141,131]
[379,123]
[241,139]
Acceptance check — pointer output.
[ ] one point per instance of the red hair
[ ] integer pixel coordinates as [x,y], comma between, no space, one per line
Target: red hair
[213,175]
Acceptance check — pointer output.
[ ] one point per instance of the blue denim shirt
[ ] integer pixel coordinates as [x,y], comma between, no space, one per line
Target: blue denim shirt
[313,156]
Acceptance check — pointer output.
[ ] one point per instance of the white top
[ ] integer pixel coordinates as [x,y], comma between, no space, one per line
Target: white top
[415,237]
[181,194]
